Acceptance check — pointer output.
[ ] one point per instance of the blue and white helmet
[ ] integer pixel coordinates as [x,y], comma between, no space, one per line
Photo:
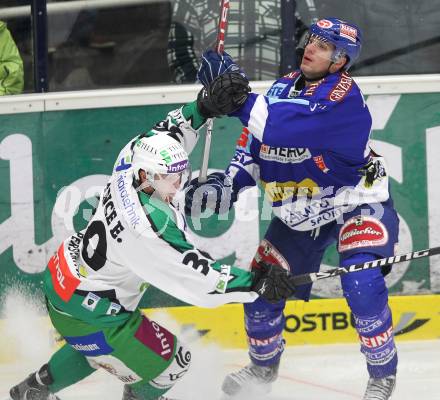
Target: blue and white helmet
[345,36]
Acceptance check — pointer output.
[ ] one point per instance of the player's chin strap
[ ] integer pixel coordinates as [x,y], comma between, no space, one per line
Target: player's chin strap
[305,279]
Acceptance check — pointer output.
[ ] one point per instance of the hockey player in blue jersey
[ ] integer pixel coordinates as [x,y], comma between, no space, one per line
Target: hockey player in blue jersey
[307,143]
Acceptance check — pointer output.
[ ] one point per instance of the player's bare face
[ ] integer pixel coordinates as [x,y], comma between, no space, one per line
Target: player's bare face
[317,58]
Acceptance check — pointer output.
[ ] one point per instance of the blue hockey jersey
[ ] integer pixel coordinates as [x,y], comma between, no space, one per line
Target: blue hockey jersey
[309,148]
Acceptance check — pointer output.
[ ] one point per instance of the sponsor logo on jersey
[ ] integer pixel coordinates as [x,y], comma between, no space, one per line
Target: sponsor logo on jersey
[91,301]
[90,345]
[293,92]
[362,231]
[124,163]
[324,23]
[223,279]
[342,88]
[244,138]
[276,90]
[73,247]
[284,155]
[319,161]
[378,340]
[348,32]
[326,216]
[113,309]
[282,191]
[63,280]
[177,167]
[128,204]
[156,338]
[315,212]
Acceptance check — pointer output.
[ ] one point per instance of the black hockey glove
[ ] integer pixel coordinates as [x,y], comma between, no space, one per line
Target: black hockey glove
[272,282]
[224,95]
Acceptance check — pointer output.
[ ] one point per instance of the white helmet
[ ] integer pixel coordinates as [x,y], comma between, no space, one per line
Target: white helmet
[164,161]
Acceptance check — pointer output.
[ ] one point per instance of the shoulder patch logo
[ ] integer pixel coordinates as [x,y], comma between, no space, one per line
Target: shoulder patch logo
[342,88]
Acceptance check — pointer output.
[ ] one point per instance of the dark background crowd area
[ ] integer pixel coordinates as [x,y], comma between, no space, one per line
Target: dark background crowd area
[127,45]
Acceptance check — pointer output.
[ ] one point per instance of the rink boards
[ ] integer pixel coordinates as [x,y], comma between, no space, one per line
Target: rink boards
[315,322]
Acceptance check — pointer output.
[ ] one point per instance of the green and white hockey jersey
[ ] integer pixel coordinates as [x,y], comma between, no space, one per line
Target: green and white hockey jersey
[134,240]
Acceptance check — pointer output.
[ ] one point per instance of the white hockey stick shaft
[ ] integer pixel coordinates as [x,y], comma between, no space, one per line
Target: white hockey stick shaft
[305,279]
[219,48]
[206,150]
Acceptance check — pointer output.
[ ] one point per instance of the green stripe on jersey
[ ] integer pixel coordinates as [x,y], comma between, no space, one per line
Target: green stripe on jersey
[192,114]
[162,221]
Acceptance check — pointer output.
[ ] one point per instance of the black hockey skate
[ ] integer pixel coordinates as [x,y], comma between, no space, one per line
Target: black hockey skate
[129,395]
[380,389]
[34,387]
[252,378]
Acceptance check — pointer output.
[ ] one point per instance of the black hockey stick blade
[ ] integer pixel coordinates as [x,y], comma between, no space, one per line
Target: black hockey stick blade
[305,279]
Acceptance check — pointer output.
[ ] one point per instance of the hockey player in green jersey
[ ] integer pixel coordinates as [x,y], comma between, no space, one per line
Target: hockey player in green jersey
[96,279]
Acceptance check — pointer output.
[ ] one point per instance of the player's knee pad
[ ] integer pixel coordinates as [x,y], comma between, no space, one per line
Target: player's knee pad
[366,292]
[264,324]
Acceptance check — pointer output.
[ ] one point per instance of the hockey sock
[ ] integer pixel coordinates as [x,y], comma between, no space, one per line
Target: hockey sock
[367,296]
[67,366]
[264,327]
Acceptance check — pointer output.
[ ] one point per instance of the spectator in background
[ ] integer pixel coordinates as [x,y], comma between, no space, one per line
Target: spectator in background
[253,37]
[11,64]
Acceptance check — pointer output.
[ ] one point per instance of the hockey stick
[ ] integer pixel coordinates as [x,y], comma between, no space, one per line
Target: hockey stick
[305,279]
[219,48]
